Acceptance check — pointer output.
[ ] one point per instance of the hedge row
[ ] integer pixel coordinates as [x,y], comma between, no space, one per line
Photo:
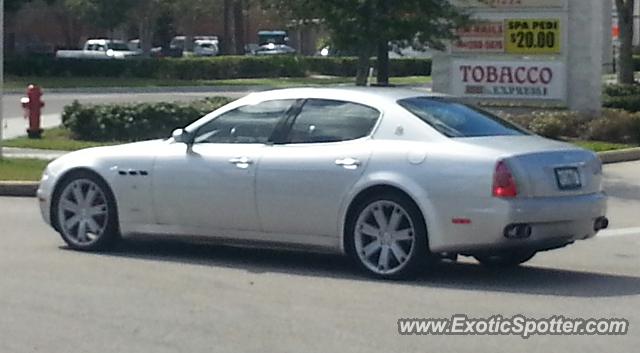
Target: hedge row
[347,66]
[625,97]
[134,122]
[636,62]
[223,67]
[617,126]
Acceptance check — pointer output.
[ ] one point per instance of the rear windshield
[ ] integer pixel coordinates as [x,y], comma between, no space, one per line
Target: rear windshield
[454,119]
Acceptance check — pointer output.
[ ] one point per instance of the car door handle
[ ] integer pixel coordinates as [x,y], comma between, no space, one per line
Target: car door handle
[348,163]
[241,161]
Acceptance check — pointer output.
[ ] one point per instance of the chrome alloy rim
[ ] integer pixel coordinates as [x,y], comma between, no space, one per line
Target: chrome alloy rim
[384,237]
[83,212]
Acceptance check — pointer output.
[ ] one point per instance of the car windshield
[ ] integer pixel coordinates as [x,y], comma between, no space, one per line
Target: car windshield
[118,46]
[275,38]
[455,119]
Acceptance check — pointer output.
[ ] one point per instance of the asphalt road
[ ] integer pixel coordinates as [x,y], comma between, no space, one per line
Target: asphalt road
[55,102]
[154,295]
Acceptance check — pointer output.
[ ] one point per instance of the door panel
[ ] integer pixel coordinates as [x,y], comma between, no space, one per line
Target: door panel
[302,183]
[210,186]
[300,188]
[211,183]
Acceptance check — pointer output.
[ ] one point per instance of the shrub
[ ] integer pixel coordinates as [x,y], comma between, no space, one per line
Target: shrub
[621,90]
[134,122]
[625,97]
[629,103]
[557,124]
[551,124]
[617,126]
[228,67]
[347,66]
[340,66]
[223,67]
[636,62]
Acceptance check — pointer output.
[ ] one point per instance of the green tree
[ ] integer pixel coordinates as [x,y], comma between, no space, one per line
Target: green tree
[145,14]
[104,14]
[228,38]
[625,22]
[188,13]
[235,15]
[69,23]
[239,13]
[14,5]
[367,26]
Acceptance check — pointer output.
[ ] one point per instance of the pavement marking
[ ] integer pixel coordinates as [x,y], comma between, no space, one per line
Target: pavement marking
[619,232]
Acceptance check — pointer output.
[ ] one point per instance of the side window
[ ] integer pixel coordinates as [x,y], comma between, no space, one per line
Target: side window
[332,121]
[247,124]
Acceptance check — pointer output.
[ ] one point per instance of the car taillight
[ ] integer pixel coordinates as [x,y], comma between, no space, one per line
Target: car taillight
[504,184]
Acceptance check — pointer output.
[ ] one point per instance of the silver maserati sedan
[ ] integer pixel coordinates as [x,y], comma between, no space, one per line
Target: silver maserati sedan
[393,178]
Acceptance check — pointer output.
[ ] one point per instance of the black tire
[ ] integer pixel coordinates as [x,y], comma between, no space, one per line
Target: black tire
[110,235]
[419,255]
[506,259]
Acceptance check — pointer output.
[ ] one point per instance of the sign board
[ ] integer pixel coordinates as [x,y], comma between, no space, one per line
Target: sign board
[554,53]
[533,36]
[510,4]
[511,36]
[483,37]
[509,79]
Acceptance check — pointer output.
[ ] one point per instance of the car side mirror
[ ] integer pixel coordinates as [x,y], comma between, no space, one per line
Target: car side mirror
[182,136]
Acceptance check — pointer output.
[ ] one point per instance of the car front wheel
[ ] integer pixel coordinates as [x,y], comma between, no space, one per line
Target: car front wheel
[85,213]
[387,236]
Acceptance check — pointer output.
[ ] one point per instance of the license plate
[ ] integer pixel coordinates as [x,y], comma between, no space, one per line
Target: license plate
[568,178]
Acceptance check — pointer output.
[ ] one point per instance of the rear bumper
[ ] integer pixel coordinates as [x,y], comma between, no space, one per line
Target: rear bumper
[557,209]
[554,222]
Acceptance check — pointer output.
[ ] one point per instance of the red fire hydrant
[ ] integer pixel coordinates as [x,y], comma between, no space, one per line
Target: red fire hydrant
[32,105]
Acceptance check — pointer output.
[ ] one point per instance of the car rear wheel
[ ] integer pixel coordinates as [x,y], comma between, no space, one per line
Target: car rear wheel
[387,236]
[506,259]
[85,213]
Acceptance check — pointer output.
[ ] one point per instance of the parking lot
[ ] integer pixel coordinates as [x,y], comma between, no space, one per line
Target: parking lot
[156,295]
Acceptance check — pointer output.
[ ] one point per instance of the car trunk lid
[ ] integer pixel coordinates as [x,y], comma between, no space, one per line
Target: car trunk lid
[545,168]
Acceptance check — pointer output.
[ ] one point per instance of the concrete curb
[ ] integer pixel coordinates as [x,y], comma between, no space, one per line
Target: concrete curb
[18,188]
[30,153]
[29,189]
[626,155]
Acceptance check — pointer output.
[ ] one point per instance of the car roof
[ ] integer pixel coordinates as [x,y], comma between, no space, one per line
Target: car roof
[104,41]
[273,33]
[358,94]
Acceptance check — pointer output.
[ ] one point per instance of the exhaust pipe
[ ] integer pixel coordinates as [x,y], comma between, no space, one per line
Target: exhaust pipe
[518,231]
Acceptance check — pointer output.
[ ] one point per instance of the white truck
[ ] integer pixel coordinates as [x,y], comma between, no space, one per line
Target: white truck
[104,49]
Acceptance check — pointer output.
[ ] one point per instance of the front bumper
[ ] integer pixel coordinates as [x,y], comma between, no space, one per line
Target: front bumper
[44,194]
